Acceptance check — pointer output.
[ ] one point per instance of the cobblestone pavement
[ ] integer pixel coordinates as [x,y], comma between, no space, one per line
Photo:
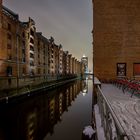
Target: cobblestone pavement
[126,108]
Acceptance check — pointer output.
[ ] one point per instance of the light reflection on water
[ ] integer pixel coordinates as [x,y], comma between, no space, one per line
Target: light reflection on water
[58,114]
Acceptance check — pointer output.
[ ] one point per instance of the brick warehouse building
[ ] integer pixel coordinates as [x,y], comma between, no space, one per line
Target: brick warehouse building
[29,58]
[116,38]
[0,20]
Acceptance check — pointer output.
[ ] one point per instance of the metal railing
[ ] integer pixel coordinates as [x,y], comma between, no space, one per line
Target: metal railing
[111,124]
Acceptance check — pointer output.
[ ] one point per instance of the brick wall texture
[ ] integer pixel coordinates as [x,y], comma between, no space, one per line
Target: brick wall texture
[0,21]
[116,36]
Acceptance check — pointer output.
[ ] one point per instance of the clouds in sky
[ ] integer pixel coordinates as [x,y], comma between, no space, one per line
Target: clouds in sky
[68,21]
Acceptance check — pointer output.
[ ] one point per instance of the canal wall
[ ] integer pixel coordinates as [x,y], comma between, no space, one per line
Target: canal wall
[9,83]
[32,89]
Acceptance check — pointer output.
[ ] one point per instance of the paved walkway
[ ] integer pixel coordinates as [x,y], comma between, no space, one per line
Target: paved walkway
[126,108]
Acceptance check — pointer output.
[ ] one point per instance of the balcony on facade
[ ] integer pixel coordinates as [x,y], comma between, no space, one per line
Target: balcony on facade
[31,49]
[32,63]
[32,33]
[31,55]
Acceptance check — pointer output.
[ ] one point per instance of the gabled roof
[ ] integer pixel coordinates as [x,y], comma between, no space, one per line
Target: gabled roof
[39,35]
[10,13]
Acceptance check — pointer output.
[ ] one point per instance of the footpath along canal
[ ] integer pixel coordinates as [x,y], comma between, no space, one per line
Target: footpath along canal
[54,114]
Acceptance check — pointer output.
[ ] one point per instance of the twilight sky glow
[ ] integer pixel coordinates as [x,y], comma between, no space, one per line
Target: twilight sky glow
[68,21]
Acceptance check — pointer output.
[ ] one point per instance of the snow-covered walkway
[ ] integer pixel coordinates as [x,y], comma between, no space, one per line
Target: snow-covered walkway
[126,108]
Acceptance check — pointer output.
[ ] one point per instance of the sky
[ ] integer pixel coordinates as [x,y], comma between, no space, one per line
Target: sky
[69,22]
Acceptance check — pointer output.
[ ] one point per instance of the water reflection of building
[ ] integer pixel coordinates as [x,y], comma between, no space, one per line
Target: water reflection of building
[67,98]
[35,118]
[84,60]
[52,111]
[60,104]
[85,87]
[71,95]
[31,125]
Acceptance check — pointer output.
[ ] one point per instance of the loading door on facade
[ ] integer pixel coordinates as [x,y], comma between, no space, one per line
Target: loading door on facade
[121,69]
[136,69]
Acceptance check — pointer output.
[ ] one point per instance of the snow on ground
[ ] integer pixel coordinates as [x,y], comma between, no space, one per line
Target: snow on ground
[100,130]
[126,108]
[88,131]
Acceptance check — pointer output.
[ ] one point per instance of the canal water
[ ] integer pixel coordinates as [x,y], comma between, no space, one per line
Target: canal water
[55,114]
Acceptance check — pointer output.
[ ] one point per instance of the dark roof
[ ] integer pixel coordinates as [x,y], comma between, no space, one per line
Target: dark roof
[39,34]
[10,13]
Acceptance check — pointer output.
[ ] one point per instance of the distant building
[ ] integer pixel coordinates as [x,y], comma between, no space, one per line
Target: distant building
[65,63]
[70,64]
[60,60]
[41,55]
[53,58]
[30,35]
[84,60]
[116,38]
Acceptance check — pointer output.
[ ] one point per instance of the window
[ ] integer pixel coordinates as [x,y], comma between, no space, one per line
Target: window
[9,81]
[31,40]
[121,69]
[9,71]
[9,57]
[136,69]
[9,46]
[9,36]
[32,32]
[9,27]
[38,42]
[31,63]
[23,34]
[23,44]
[39,71]
[32,72]
[23,59]
[31,48]
[23,72]
[31,55]
[38,50]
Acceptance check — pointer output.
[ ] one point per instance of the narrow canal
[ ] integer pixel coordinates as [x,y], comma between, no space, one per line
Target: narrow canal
[55,114]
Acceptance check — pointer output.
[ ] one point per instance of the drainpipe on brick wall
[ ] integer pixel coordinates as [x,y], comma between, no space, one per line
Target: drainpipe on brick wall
[17,47]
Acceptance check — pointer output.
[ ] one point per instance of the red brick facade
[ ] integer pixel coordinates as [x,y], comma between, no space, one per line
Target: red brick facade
[116,38]
[0,22]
